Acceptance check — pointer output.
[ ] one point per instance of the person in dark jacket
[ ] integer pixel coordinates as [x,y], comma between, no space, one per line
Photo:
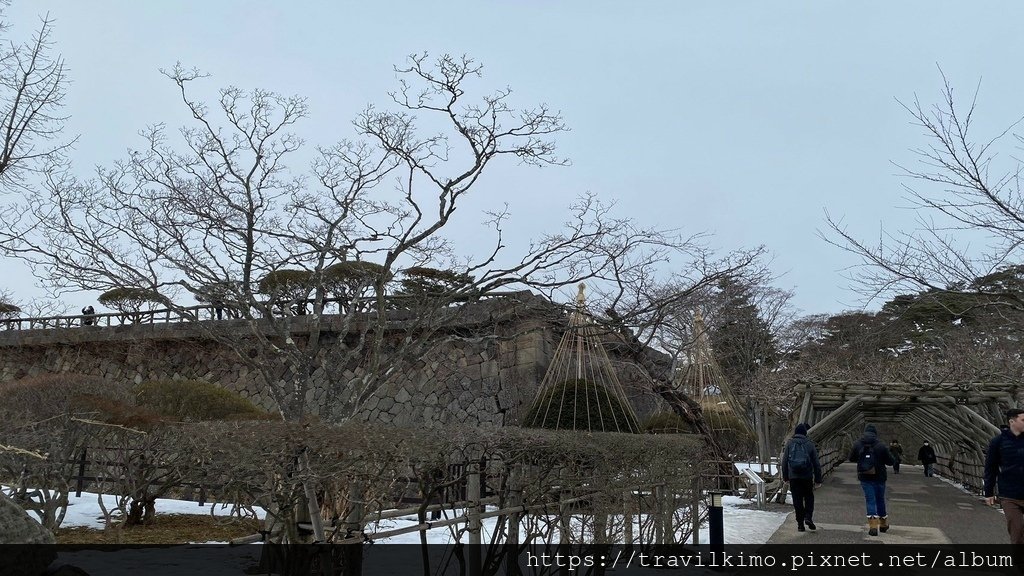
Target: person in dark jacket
[872,481]
[88,316]
[1004,462]
[896,449]
[927,457]
[802,472]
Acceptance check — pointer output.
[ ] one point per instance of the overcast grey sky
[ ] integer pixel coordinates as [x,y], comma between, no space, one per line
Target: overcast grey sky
[744,119]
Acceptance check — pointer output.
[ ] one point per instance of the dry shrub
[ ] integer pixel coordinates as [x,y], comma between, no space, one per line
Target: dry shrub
[47,415]
[122,413]
[377,467]
[48,395]
[195,400]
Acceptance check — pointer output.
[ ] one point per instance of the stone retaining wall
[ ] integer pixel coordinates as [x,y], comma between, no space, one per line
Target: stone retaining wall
[489,382]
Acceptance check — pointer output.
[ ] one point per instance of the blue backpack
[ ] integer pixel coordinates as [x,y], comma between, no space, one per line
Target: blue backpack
[798,458]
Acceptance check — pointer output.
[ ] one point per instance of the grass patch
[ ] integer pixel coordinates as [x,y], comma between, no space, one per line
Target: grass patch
[168,529]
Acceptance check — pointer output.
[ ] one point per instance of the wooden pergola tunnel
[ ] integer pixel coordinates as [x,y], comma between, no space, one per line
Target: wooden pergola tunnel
[957,419]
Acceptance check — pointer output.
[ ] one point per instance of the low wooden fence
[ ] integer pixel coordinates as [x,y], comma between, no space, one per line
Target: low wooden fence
[86,477]
[457,476]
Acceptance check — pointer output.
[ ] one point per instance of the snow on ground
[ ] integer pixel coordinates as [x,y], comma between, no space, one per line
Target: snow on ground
[746,524]
[761,468]
[85,510]
[743,524]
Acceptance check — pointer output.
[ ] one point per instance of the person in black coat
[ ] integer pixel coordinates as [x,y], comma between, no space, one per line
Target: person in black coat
[801,468]
[896,449]
[872,456]
[927,457]
[1004,462]
[88,316]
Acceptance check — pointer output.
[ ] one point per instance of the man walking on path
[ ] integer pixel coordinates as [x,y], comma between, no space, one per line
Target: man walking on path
[801,468]
[897,455]
[872,456]
[1005,461]
[927,457]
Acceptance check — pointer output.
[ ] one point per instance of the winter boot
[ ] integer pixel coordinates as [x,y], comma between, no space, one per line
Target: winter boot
[800,527]
[883,523]
[810,524]
[872,525]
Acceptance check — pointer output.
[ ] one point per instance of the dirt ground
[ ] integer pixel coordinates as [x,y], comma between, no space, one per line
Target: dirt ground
[168,529]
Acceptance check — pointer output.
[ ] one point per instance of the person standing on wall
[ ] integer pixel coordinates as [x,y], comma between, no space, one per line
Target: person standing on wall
[88,316]
[872,456]
[801,468]
[927,457]
[1004,462]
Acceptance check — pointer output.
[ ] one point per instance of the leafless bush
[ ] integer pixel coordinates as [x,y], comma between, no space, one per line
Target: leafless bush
[579,488]
[43,423]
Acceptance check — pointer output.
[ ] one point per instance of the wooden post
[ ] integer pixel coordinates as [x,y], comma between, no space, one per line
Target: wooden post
[761,429]
[516,482]
[80,483]
[473,514]
[659,526]
[312,506]
[353,553]
[564,525]
[695,508]
[805,408]
[627,515]
[669,515]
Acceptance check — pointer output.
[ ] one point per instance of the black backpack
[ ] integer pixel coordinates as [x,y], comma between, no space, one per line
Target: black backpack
[866,461]
[799,460]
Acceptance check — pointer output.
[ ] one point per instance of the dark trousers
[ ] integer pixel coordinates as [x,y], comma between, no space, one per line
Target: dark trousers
[896,465]
[802,490]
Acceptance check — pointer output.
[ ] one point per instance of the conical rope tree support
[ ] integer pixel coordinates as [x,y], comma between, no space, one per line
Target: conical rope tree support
[581,390]
[703,381]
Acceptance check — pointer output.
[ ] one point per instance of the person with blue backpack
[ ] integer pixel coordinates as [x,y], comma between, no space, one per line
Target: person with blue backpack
[872,456]
[800,467]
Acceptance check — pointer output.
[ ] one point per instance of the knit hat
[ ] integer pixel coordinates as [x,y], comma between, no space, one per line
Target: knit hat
[801,428]
[870,429]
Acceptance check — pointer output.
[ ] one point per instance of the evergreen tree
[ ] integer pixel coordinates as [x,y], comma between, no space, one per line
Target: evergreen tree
[741,339]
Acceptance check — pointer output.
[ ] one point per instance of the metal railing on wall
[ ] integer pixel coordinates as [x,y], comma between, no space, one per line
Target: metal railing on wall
[229,312]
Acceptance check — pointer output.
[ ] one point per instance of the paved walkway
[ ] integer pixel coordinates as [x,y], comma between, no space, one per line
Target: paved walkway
[921,511]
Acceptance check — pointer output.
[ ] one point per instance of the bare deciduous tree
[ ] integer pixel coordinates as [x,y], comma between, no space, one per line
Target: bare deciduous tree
[969,203]
[33,83]
[222,209]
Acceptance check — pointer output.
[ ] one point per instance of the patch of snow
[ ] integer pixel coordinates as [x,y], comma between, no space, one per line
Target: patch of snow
[769,468]
[84,510]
